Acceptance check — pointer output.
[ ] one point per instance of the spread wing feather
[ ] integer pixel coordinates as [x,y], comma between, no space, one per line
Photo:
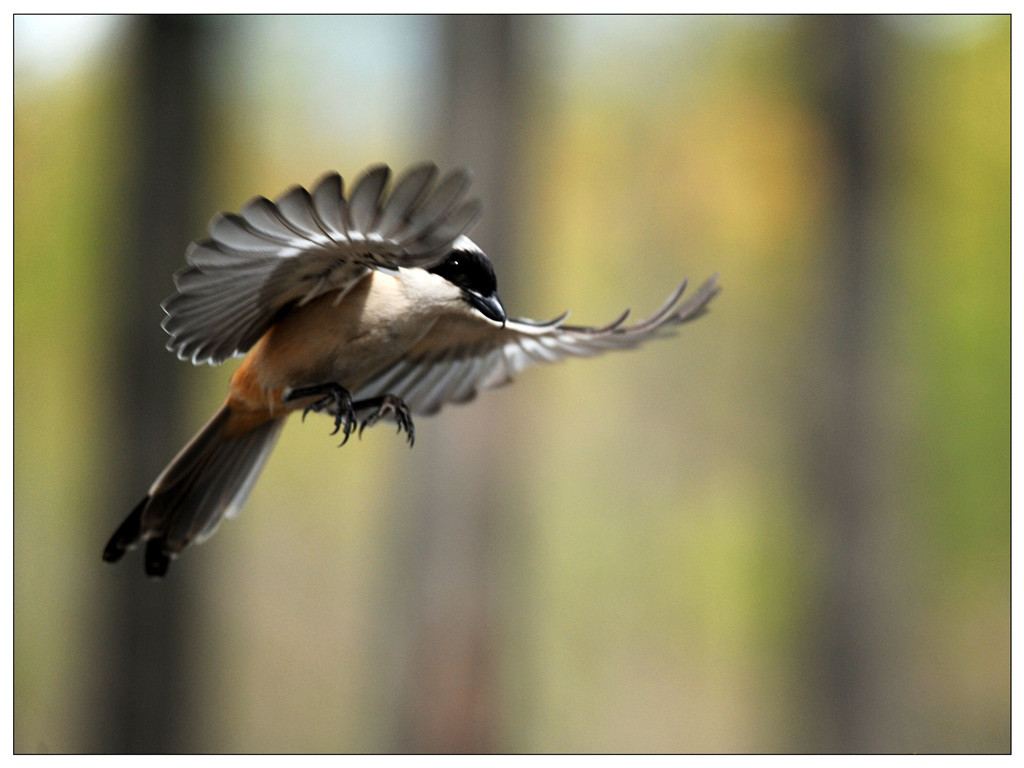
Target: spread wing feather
[459,357]
[273,255]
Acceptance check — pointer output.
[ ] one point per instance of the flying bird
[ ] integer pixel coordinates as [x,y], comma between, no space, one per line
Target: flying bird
[370,306]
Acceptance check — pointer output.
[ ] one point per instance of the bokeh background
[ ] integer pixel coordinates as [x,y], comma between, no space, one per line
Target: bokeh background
[784,530]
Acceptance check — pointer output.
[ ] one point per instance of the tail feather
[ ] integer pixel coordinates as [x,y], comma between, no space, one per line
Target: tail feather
[208,480]
[126,535]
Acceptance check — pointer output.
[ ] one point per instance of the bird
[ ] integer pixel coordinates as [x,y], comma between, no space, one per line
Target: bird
[366,306]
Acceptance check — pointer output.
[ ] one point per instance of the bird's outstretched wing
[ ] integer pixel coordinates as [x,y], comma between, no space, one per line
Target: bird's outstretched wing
[271,256]
[459,357]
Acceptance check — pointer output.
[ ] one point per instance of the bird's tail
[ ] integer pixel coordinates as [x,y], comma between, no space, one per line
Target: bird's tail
[207,481]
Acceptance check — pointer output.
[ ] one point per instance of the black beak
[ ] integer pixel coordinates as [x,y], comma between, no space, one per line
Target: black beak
[490,306]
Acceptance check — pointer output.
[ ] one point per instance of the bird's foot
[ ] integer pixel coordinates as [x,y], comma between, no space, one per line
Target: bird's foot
[333,398]
[387,405]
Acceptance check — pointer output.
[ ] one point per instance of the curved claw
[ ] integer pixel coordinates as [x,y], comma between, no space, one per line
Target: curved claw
[332,395]
[404,419]
[349,423]
[388,404]
[345,420]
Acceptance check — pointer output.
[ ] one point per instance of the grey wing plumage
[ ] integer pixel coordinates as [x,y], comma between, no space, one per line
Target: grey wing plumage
[458,358]
[270,256]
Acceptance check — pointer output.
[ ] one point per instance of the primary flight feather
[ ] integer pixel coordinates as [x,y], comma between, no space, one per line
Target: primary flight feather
[376,302]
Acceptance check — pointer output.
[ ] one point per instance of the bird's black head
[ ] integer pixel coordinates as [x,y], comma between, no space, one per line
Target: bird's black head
[471,270]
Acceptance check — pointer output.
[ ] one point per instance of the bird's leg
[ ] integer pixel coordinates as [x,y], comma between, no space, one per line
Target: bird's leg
[331,394]
[387,404]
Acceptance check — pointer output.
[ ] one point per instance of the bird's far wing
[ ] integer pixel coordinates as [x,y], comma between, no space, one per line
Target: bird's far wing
[271,256]
[459,357]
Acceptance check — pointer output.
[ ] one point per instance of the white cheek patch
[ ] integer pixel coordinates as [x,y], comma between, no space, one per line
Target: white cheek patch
[425,289]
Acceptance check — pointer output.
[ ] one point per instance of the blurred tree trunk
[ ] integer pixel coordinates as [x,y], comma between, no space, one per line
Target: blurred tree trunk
[845,655]
[448,687]
[146,676]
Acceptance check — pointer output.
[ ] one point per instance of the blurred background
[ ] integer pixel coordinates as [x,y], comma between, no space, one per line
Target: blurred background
[784,530]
